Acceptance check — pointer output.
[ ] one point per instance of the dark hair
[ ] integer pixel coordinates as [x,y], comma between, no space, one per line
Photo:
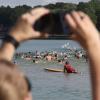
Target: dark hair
[67,62]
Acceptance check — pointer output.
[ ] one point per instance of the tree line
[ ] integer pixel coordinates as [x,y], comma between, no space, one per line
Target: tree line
[8,15]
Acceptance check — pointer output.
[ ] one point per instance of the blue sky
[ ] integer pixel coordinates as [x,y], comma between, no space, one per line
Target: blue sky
[13,3]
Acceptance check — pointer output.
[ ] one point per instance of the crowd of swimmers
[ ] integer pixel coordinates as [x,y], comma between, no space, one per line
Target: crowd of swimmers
[60,57]
[14,85]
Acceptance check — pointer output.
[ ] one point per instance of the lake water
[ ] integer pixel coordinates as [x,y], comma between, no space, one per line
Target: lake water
[42,45]
[55,85]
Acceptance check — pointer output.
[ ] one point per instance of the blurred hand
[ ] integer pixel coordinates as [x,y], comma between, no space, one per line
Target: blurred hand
[84,30]
[23,29]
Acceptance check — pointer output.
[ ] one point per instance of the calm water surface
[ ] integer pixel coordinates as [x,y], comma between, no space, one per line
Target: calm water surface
[53,85]
[42,45]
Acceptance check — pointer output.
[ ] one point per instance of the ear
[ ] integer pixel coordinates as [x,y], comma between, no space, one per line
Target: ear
[29,96]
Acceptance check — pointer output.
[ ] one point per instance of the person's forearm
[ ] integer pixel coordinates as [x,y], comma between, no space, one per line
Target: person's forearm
[94,57]
[8,47]
[7,51]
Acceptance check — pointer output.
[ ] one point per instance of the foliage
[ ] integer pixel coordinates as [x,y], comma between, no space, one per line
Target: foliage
[9,15]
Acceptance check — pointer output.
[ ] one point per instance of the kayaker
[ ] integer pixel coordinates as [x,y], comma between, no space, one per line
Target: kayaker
[68,68]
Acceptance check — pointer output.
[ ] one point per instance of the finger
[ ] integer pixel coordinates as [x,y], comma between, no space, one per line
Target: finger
[70,21]
[85,18]
[75,37]
[82,14]
[27,18]
[34,14]
[78,19]
[38,10]
[37,13]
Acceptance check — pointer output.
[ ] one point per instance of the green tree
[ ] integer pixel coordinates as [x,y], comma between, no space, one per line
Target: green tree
[89,9]
[96,5]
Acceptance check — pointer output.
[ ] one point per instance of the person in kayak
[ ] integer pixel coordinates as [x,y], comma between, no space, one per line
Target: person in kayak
[68,68]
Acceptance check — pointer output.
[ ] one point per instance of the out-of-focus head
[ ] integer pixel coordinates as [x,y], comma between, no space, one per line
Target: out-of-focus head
[67,62]
[13,85]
